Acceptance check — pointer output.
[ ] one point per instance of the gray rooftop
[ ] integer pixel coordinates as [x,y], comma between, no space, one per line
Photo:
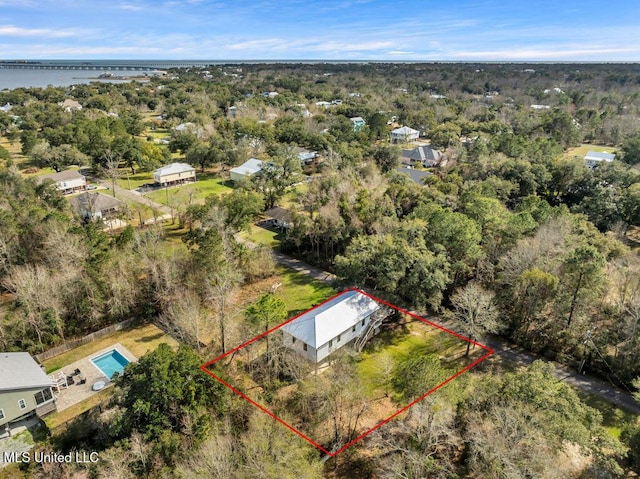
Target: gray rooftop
[65,175]
[20,371]
[416,175]
[424,154]
[94,202]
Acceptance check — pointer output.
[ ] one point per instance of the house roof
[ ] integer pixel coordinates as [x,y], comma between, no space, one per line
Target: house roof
[174,168]
[184,126]
[423,154]
[249,167]
[415,175]
[280,214]
[20,371]
[599,156]
[70,104]
[94,202]
[325,322]
[405,130]
[66,175]
[357,119]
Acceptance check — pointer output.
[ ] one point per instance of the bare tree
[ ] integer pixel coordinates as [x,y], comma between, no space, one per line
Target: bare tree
[111,168]
[476,312]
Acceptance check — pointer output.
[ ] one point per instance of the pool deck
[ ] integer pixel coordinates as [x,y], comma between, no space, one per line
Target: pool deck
[75,393]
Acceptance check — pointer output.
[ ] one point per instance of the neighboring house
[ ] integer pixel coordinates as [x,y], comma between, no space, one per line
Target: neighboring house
[422,155]
[324,104]
[25,389]
[417,176]
[246,170]
[279,218]
[70,105]
[404,135]
[182,127]
[307,157]
[270,94]
[6,108]
[95,206]
[68,181]
[358,123]
[350,317]
[175,173]
[594,158]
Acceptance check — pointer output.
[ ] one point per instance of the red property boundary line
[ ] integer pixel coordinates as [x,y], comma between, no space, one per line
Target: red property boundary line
[205,369]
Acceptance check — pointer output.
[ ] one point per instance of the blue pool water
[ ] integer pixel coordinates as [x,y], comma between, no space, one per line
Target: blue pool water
[110,363]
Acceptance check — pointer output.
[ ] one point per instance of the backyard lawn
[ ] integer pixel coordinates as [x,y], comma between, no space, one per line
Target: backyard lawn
[138,340]
[582,150]
[206,185]
[259,235]
[301,292]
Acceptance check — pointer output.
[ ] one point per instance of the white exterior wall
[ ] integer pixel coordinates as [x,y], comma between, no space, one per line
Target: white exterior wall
[324,350]
[237,176]
[80,183]
[170,178]
[404,137]
[298,346]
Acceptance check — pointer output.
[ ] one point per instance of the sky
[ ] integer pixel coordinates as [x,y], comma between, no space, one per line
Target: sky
[397,30]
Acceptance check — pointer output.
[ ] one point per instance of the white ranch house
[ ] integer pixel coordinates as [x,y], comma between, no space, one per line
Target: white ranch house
[404,135]
[173,174]
[594,158]
[349,318]
[68,181]
[246,170]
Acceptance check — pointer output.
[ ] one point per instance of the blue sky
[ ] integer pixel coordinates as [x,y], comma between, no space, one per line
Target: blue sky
[455,30]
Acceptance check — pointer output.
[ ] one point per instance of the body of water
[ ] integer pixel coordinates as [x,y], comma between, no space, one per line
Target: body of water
[11,78]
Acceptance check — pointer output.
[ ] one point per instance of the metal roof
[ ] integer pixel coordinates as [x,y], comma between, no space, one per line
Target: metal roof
[20,371]
[323,323]
[62,176]
[174,168]
[249,167]
[599,156]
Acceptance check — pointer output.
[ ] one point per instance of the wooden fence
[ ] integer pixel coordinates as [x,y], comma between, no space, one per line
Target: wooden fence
[68,345]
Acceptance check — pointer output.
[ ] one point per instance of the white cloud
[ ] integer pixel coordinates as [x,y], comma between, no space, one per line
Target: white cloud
[13,31]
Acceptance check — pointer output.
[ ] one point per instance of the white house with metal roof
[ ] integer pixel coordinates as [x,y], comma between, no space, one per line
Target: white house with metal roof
[594,158]
[68,181]
[174,173]
[404,134]
[25,389]
[246,170]
[349,318]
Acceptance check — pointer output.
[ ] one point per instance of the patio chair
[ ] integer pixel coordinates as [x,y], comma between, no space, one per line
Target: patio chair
[76,372]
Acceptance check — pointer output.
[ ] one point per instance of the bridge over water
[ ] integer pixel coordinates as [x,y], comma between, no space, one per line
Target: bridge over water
[102,65]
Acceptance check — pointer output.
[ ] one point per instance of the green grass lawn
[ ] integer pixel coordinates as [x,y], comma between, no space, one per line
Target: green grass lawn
[57,419]
[139,340]
[264,236]
[399,344]
[292,196]
[301,292]
[206,185]
[134,181]
[614,419]
[584,148]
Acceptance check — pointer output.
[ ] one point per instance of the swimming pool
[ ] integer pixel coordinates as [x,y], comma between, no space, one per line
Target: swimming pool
[110,363]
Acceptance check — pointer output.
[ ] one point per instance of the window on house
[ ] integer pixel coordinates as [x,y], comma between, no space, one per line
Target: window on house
[353,330]
[330,342]
[304,346]
[43,396]
[338,339]
[293,339]
[363,322]
[1,413]
[22,403]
